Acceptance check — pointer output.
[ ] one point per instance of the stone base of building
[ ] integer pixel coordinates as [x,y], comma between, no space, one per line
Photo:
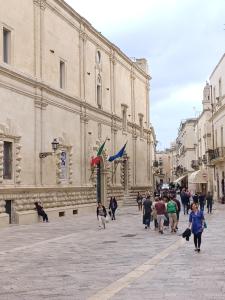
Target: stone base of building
[56,213]
[4,220]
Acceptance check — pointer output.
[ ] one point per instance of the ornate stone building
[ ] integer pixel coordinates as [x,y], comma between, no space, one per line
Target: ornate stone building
[64,90]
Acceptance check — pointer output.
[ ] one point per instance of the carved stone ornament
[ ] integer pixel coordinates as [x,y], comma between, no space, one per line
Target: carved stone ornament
[9,131]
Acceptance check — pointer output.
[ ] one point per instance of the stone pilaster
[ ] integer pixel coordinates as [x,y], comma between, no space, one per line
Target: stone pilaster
[1,161]
[18,159]
[112,81]
[82,51]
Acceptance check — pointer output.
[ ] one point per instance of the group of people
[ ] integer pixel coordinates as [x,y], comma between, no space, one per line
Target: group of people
[198,198]
[164,211]
[102,214]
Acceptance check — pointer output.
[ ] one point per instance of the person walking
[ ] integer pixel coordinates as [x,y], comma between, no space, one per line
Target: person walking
[139,201]
[147,211]
[113,206]
[154,213]
[172,213]
[178,209]
[195,198]
[202,201]
[209,201]
[161,211]
[101,215]
[196,223]
[40,211]
[184,200]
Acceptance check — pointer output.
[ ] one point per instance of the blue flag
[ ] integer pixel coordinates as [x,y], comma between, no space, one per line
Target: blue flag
[118,154]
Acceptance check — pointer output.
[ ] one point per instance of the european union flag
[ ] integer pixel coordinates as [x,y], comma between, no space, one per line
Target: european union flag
[118,154]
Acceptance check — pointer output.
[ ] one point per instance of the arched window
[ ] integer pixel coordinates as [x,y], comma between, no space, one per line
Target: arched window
[99,92]
[98,57]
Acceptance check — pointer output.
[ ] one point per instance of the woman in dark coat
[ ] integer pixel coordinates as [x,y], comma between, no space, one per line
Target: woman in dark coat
[147,211]
[113,207]
[41,211]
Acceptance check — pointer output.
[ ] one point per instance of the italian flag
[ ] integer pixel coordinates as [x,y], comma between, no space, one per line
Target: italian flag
[96,160]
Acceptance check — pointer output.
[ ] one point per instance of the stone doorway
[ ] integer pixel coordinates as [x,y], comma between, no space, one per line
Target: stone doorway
[8,209]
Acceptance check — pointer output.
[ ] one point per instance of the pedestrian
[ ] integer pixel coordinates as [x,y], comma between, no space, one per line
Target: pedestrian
[178,209]
[113,206]
[101,215]
[160,210]
[202,201]
[195,198]
[147,211]
[172,213]
[209,200]
[154,213]
[139,201]
[196,223]
[185,201]
[40,211]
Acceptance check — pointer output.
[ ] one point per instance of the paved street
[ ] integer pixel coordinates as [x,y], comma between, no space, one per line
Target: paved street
[73,259]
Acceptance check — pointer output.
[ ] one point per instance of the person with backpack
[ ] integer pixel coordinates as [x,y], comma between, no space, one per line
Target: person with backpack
[172,213]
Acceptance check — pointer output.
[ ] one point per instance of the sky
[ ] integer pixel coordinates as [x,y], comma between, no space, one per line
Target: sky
[183,40]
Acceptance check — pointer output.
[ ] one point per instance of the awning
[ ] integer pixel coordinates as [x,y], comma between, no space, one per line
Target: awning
[180,178]
[199,176]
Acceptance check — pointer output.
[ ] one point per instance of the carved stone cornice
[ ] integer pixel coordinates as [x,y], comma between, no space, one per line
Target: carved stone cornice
[43,4]
[132,75]
[40,104]
[112,59]
[37,2]
[40,3]
[84,118]
[83,35]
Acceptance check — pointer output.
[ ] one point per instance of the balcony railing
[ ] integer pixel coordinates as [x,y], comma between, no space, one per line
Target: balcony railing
[216,154]
[195,164]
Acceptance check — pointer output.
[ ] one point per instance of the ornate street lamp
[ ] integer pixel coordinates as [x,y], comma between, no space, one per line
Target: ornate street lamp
[55,145]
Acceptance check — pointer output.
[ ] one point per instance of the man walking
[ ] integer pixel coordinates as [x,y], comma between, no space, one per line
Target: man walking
[172,213]
[160,210]
[147,210]
[209,200]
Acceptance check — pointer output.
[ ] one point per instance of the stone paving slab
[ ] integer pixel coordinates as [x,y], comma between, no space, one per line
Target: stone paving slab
[73,259]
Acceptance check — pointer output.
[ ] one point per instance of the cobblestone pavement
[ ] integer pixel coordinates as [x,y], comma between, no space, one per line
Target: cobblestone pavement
[73,259]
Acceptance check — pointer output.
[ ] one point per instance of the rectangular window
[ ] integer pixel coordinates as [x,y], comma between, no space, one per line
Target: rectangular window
[6,45]
[63,165]
[7,161]
[62,74]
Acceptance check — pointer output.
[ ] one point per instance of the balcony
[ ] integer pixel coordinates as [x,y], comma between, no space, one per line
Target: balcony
[195,164]
[216,155]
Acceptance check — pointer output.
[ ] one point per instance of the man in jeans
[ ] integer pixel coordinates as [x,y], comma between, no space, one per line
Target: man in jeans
[172,213]
[160,208]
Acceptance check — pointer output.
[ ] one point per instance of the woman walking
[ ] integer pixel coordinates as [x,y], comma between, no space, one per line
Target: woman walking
[196,223]
[101,215]
[113,207]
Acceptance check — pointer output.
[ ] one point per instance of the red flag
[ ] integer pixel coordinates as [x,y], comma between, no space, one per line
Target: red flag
[95,160]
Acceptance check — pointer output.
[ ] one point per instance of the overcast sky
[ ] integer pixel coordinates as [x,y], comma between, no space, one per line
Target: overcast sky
[183,40]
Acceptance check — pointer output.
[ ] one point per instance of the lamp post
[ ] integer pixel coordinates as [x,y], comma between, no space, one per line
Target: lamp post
[55,145]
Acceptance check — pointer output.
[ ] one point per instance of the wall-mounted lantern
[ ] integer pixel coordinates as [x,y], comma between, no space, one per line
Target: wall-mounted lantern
[55,145]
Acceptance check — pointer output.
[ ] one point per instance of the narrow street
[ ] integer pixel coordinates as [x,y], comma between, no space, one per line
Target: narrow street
[73,259]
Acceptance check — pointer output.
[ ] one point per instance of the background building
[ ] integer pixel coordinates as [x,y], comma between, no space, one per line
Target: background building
[63,85]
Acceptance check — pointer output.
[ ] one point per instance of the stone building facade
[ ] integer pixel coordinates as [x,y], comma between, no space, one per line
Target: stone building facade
[63,82]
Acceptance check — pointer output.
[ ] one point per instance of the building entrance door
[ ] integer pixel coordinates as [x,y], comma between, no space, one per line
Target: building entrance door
[8,209]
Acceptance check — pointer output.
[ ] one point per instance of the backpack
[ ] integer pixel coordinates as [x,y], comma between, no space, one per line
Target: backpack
[171,207]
